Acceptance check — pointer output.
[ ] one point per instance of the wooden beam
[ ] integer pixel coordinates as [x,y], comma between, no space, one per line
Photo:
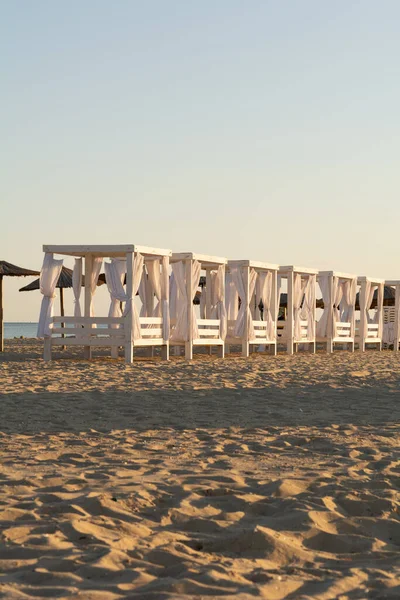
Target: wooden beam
[130,257]
[189,343]
[88,297]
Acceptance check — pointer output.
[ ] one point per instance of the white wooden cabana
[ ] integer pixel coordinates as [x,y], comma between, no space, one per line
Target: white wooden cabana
[391,318]
[298,327]
[187,328]
[337,322]
[131,269]
[370,328]
[254,283]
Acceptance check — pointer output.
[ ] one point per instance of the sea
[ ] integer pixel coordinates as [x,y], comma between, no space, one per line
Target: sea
[17,330]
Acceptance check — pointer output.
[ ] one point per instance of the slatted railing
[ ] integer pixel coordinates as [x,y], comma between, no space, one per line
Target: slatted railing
[343,332]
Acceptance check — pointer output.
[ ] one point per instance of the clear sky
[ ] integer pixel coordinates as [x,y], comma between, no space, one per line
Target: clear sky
[242,128]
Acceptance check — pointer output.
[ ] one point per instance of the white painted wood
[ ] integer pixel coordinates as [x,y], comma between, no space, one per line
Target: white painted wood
[107,250]
[208,322]
[255,264]
[285,269]
[213,341]
[150,320]
[151,331]
[204,259]
[245,342]
[290,316]
[90,320]
[130,257]
[88,297]
[189,279]
[100,332]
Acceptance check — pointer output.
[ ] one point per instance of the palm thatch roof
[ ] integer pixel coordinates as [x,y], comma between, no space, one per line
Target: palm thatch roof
[9,270]
[64,281]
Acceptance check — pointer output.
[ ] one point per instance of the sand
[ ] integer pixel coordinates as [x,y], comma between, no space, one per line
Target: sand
[271,477]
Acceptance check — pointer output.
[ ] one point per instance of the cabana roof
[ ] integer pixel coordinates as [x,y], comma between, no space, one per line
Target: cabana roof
[116,250]
[206,261]
[337,274]
[253,264]
[297,269]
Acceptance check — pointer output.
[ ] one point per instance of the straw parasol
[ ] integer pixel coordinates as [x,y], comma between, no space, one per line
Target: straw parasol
[9,270]
[64,281]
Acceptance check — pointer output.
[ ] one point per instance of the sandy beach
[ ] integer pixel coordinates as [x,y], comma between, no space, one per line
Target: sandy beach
[268,477]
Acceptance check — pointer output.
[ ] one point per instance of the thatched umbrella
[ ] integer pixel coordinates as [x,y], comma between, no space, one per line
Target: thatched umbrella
[64,281]
[9,270]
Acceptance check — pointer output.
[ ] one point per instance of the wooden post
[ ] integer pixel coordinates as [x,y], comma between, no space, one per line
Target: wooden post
[274,311]
[330,322]
[88,300]
[290,323]
[130,257]
[189,342]
[363,300]
[209,291]
[221,349]
[246,301]
[1,316]
[396,319]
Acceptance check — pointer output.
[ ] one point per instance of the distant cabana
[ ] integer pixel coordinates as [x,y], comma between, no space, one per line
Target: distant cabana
[9,270]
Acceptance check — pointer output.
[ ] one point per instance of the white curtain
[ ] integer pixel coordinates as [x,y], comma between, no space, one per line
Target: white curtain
[218,310]
[368,295]
[347,303]
[264,294]
[307,312]
[159,283]
[143,294]
[94,276]
[231,298]
[49,275]
[181,329]
[115,275]
[115,284]
[238,277]
[77,286]
[323,327]
[173,296]
[379,310]
[299,286]
[337,294]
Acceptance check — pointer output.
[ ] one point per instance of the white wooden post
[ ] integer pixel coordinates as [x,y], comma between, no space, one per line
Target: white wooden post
[189,342]
[130,257]
[363,303]
[87,351]
[396,318]
[209,291]
[274,310]
[289,322]
[246,300]
[381,292]
[330,323]
[221,349]
[165,348]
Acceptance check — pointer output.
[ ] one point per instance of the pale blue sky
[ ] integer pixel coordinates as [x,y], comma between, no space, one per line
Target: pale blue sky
[247,129]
